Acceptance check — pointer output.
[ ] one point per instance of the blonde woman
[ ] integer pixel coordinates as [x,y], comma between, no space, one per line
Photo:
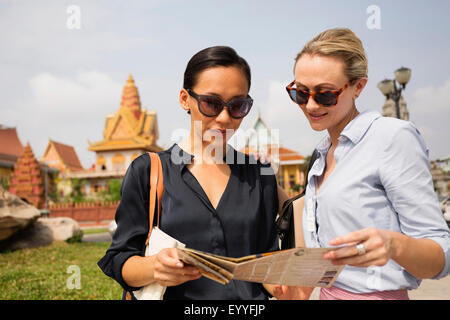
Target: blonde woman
[370,191]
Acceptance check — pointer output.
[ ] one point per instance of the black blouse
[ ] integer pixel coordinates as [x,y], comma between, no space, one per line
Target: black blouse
[242,224]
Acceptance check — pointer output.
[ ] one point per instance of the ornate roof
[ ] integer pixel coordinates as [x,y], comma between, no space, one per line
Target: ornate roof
[260,135]
[262,140]
[131,127]
[61,156]
[10,146]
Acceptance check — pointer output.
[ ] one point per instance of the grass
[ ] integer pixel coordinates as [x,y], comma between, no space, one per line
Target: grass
[94,230]
[42,273]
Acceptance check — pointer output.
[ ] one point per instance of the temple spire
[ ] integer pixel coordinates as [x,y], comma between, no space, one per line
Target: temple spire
[27,180]
[130,97]
[130,80]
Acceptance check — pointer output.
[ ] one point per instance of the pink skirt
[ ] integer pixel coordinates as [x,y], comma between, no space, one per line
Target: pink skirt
[335,293]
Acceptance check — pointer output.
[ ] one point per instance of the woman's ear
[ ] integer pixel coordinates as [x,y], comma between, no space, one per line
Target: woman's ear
[360,84]
[184,100]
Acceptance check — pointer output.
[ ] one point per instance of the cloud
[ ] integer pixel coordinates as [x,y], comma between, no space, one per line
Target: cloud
[38,37]
[429,109]
[68,110]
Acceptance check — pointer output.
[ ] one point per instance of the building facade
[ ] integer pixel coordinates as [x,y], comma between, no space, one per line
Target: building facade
[63,158]
[263,141]
[389,109]
[11,149]
[127,134]
[440,171]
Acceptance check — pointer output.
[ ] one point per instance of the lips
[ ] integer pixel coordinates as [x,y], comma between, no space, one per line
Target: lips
[223,132]
[317,116]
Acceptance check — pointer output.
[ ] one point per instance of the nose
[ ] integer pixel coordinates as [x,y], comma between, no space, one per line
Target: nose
[312,105]
[224,116]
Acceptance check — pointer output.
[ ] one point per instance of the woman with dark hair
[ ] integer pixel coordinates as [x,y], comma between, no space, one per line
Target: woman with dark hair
[225,208]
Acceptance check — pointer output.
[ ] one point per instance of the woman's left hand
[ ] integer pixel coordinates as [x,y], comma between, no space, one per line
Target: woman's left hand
[375,248]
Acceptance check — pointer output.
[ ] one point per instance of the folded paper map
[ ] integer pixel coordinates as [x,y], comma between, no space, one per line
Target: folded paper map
[292,267]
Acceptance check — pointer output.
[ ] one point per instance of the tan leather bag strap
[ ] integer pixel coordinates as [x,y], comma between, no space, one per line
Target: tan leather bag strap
[156,190]
[298,222]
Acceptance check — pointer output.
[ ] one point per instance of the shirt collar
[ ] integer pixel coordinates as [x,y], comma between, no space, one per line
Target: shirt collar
[179,157]
[183,158]
[354,130]
[358,127]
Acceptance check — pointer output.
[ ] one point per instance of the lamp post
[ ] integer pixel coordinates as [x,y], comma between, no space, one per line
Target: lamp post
[390,89]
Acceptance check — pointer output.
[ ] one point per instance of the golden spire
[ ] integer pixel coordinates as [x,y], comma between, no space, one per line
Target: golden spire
[130,80]
[130,97]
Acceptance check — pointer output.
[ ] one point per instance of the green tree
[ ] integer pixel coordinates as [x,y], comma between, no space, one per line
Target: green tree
[77,193]
[114,189]
[5,183]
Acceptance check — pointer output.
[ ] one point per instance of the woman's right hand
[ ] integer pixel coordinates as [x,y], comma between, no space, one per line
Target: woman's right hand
[169,270]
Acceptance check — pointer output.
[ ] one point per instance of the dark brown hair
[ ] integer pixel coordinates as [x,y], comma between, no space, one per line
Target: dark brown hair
[213,57]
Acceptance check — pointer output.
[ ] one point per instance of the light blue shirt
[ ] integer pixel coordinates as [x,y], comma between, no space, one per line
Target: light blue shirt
[381,180]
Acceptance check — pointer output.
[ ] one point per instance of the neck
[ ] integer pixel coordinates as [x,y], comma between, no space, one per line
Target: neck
[335,131]
[204,152]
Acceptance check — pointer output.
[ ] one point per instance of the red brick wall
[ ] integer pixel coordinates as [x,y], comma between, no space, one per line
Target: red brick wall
[86,212]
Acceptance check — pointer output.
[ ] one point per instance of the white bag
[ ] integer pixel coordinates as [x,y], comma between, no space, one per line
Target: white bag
[158,240]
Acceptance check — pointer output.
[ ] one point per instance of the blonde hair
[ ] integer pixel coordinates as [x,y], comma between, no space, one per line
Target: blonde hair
[341,43]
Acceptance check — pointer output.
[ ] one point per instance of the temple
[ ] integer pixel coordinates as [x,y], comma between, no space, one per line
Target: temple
[264,141]
[127,134]
[28,180]
[62,157]
[11,149]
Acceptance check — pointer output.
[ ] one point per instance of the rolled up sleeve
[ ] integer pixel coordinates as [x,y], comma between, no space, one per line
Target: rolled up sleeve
[405,175]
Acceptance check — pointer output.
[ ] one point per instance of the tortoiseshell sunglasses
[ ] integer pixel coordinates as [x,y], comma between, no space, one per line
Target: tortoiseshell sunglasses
[326,98]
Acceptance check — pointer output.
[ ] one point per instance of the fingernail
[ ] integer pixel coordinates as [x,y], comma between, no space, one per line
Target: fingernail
[179,265]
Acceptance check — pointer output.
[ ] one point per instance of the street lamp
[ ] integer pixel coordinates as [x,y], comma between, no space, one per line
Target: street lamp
[390,89]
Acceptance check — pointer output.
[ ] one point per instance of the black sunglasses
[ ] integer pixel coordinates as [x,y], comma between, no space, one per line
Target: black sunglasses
[212,106]
[327,98]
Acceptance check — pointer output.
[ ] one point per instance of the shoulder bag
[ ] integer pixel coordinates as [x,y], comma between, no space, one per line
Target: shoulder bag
[156,238]
[289,221]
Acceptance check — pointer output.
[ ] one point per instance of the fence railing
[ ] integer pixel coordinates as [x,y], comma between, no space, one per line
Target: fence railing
[86,212]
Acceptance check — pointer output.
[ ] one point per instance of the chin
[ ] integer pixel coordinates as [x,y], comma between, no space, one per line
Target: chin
[317,126]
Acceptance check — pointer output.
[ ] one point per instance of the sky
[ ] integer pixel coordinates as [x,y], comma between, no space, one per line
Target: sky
[60,77]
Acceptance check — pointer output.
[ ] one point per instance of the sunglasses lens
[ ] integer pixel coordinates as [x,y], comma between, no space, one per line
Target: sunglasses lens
[240,108]
[326,98]
[210,106]
[293,95]
[301,97]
